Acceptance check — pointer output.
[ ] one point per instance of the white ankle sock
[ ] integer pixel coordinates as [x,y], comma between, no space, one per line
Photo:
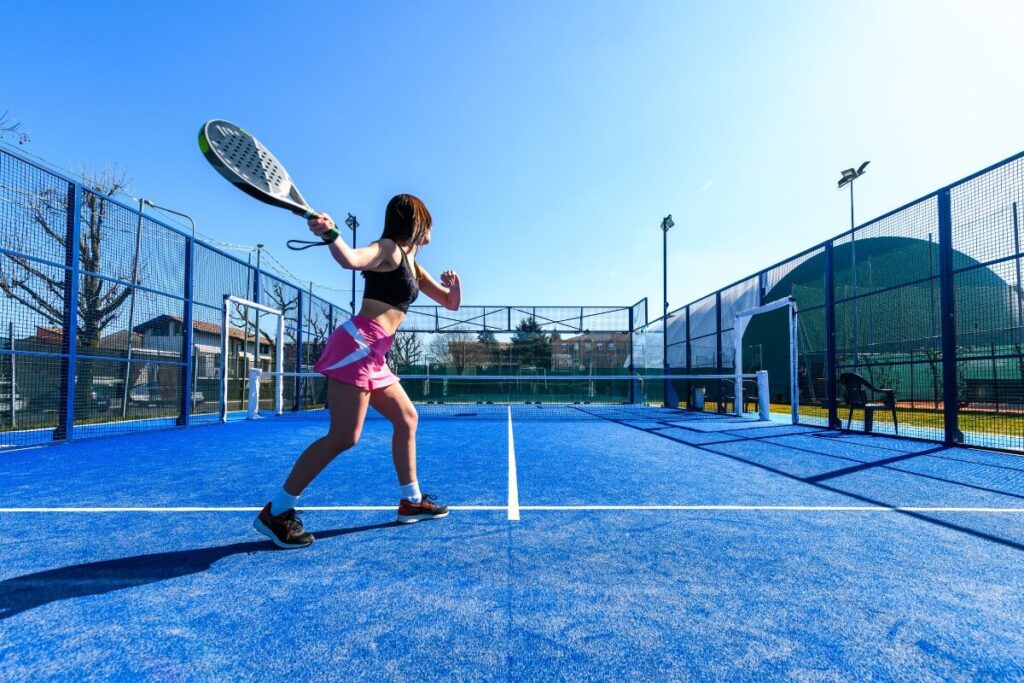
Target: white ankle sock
[411,492]
[282,502]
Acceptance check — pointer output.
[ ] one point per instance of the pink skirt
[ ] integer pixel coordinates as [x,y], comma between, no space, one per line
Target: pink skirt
[355,354]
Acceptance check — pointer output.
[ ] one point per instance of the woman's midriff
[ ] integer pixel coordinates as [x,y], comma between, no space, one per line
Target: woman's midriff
[383,314]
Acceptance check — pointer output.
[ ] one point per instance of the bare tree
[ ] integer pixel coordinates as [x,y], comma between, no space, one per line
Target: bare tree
[406,350]
[43,289]
[9,127]
[319,327]
[439,352]
[456,349]
[287,305]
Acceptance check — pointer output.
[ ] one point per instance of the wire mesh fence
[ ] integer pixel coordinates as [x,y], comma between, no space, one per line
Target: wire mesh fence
[909,325]
[112,321]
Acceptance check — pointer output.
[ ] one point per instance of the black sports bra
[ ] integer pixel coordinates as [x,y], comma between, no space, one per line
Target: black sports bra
[398,287]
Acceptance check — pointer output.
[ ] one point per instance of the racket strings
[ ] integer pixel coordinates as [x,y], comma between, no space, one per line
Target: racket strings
[245,156]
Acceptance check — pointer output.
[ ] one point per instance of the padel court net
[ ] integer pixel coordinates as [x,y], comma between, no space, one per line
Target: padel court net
[540,397]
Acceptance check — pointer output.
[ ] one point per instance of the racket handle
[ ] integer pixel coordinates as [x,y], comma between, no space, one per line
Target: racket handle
[328,236]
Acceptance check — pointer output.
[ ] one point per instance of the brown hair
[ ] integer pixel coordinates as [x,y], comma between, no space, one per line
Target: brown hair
[406,220]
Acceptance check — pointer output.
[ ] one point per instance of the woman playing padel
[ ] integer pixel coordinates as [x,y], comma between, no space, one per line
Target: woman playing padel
[358,376]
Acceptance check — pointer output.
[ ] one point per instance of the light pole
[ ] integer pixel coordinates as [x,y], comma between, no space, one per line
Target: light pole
[848,176]
[353,224]
[176,213]
[666,224]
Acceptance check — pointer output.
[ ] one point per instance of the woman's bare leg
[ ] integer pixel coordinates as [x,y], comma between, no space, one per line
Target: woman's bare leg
[393,403]
[348,410]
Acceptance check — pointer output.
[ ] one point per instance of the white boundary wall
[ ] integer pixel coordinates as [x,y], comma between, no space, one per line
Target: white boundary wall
[742,320]
[224,346]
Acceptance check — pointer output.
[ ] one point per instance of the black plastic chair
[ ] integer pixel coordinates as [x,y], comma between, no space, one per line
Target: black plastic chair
[857,388]
[749,395]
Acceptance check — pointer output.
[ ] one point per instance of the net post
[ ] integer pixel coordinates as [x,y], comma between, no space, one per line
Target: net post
[279,368]
[254,392]
[794,360]
[224,346]
[763,403]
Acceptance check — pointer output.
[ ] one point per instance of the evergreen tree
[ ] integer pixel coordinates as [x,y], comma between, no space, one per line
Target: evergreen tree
[530,346]
[490,350]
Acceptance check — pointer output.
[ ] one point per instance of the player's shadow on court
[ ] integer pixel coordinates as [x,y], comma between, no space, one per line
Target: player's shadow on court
[22,593]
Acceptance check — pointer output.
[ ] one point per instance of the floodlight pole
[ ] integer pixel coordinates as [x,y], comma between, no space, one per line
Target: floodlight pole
[853,272]
[666,223]
[354,224]
[176,213]
[848,176]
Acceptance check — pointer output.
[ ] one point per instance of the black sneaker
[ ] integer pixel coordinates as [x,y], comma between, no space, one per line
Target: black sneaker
[410,513]
[285,530]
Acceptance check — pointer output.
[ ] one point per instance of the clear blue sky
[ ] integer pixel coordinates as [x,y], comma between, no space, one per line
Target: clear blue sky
[547,138]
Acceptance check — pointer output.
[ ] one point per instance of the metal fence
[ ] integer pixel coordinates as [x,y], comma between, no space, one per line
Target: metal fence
[925,300]
[111,320]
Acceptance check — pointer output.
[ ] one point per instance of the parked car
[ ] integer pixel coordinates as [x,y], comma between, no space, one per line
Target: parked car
[156,394]
[5,401]
[48,400]
[99,399]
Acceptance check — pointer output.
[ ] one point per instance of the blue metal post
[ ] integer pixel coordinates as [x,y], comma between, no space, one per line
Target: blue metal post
[831,397]
[1016,263]
[670,399]
[185,413]
[947,304]
[68,371]
[298,352]
[689,361]
[632,368]
[719,365]
[829,369]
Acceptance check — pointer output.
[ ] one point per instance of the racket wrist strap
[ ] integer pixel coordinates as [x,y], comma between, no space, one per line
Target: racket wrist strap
[299,245]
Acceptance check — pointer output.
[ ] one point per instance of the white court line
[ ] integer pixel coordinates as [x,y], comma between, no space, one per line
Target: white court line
[513,480]
[541,508]
[766,508]
[303,508]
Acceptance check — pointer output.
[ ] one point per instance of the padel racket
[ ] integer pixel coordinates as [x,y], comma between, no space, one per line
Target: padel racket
[249,166]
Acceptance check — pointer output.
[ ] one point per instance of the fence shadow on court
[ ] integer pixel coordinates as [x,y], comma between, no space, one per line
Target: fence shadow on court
[831,477]
[22,593]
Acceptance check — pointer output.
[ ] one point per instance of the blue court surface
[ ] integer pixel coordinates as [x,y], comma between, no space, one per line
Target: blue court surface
[607,549]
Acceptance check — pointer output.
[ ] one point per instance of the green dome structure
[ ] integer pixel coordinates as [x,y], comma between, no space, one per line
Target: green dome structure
[887,316]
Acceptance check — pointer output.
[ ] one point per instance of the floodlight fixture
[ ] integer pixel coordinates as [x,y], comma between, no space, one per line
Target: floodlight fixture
[849,175]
